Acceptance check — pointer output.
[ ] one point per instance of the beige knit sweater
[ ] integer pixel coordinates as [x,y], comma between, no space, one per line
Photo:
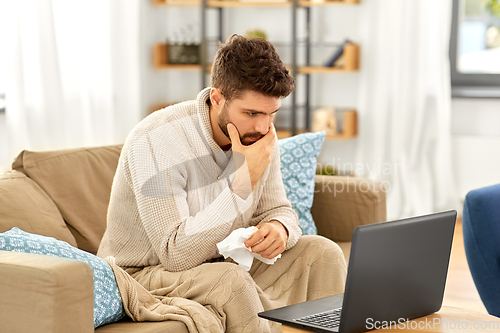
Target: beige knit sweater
[171,202]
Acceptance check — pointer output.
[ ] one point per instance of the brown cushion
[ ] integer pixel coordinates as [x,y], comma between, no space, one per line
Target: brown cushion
[343,203]
[25,205]
[79,182]
[346,249]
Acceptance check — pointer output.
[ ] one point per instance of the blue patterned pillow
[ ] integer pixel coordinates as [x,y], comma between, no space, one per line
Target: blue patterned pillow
[108,306]
[298,167]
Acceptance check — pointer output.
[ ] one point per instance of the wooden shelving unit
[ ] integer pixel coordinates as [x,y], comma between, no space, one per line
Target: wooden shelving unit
[176,3]
[305,3]
[160,60]
[351,62]
[350,128]
[350,55]
[235,3]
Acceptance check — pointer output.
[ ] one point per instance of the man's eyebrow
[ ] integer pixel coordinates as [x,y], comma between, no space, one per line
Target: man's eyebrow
[258,112]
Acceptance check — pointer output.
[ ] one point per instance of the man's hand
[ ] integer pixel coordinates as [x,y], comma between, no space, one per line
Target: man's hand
[270,240]
[257,156]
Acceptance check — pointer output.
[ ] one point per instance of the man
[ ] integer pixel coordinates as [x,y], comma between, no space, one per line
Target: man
[192,173]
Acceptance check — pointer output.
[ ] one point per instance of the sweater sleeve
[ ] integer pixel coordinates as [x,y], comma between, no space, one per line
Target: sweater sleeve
[273,203]
[180,239]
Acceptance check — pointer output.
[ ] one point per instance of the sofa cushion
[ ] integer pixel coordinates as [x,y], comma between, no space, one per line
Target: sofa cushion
[298,167]
[25,205]
[342,203]
[45,294]
[108,306]
[79,182]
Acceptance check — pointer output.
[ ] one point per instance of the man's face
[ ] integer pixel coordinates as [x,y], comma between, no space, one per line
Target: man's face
[252,114]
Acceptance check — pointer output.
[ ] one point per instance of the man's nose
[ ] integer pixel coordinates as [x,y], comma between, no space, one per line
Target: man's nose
[263,125]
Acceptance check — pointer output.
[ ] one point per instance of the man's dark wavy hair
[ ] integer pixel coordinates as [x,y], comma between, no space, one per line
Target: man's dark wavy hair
[243,64]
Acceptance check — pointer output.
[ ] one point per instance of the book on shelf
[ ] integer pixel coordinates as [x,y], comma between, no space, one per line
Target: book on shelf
[337,54]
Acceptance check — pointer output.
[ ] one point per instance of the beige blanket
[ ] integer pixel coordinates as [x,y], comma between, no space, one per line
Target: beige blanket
[222,297]
[143,305]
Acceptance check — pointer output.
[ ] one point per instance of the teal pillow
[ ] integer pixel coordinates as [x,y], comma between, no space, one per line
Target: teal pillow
[298,167]
[108,306]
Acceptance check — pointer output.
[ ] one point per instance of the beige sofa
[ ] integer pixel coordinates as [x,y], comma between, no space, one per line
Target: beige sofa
[64,194]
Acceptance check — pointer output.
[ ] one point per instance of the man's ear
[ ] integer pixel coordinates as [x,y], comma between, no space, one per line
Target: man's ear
[216,97]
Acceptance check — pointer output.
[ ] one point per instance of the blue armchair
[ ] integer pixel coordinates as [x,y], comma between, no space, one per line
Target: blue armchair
[481,229]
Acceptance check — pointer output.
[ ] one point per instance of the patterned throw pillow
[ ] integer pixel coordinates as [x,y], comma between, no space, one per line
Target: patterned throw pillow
[108,306]
[298,167]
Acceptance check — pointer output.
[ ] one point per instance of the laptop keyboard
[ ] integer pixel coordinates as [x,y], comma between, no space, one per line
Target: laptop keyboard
[328,319]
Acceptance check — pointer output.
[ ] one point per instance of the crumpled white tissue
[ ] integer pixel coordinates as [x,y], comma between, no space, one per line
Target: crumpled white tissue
[233,246]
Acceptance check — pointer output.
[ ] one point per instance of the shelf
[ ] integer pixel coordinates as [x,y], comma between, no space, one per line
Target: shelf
[350,127]
[305,3]
[158,106]
[350,58]
[235,3]
[183,67]
[160,60]
[176,2]
[351,62]
[319,69]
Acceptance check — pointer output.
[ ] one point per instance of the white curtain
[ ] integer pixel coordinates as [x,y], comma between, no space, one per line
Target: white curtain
[72,73]
[405,99]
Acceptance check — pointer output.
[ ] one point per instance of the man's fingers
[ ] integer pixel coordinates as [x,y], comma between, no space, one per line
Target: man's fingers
[263,241]
[273,130]
[267,140]
[271,134]
[266,247]
[279,250]
[234,135]
[270,137]
[268,241]
[255,238]
[272,251]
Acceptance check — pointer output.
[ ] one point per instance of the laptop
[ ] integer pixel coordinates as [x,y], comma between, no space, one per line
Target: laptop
[397,272]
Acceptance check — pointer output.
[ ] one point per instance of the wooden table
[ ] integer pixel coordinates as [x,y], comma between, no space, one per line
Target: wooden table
[448,319]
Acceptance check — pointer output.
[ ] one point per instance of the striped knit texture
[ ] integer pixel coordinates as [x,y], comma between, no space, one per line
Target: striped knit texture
[167,205]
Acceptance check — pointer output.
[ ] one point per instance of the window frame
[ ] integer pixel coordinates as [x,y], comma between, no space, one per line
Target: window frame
[468,85]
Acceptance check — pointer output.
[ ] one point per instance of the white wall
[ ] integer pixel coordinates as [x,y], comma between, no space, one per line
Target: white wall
[476,143]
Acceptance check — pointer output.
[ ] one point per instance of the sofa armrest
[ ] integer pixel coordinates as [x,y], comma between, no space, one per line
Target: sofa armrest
[45,294]
[343,203]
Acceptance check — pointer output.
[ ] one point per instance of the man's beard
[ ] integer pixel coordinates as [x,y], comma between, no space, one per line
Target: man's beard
[224,120]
